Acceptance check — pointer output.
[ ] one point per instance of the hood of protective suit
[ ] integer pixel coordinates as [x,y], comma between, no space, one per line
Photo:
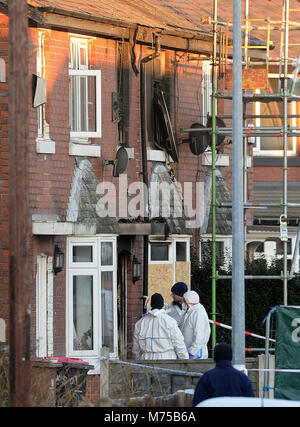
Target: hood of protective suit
[156,311]
[191,297]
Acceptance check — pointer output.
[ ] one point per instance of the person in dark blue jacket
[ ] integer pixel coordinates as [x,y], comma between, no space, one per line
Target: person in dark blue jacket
[223,380]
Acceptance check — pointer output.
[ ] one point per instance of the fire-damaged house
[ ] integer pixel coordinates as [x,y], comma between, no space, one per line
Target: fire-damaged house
[120,185]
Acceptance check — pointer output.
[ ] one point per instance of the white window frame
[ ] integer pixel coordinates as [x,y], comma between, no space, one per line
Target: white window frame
[98,132]
[273,153]
[93,263]
[185,240]
[76,68]
[188,257]
[95,269]
[40,70]
[44,306]
[79,44]
[44,143]
[172,251]
[96,320]
[169,244]
[206,89]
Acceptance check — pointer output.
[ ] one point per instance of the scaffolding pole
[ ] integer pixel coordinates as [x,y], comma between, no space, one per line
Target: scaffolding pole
[249,277]
[238,282]
[285,135]
[213,150]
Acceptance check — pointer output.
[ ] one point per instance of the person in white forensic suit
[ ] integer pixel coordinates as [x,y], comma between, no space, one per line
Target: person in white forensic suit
[174,309]
[157,335]
[195,326]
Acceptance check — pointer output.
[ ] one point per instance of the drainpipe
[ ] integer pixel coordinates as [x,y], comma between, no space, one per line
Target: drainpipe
[144,156]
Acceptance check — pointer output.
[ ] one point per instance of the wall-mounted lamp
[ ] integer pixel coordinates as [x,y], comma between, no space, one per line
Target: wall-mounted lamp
[58,261]
[136,269]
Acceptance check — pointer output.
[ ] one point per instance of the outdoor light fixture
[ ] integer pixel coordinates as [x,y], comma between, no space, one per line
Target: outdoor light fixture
[136,269]
[58,262]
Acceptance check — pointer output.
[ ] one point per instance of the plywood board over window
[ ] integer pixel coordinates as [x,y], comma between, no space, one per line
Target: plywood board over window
[183,272]
[160,279]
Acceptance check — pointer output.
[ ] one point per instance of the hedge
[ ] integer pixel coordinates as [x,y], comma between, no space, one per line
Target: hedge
[260,295]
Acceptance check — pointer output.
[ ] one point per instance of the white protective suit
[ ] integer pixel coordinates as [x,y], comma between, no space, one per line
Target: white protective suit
[157,336]
[195,326]
[176,312]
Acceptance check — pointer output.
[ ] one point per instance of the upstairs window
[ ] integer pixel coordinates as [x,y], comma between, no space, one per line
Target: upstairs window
[155,78]
[206,91]
[84,92]
[271,115]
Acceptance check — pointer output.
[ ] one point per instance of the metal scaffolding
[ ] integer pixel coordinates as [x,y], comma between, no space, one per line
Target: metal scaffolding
[240,133]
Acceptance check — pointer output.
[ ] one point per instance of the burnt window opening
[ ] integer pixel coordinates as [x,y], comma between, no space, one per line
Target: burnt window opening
[155,77]
[159,127]
[121,98]
[163,132]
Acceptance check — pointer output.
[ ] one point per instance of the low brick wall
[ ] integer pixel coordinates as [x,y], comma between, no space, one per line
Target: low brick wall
[128,382]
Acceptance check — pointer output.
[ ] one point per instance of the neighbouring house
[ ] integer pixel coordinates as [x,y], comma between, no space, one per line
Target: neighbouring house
[264,182]
[118,189]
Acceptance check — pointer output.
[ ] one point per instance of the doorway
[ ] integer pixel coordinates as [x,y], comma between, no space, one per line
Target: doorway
[123,258]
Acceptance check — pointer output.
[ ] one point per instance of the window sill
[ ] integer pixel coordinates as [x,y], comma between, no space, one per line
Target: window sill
[157,156]
[221,159]
[84,150]
[45,146]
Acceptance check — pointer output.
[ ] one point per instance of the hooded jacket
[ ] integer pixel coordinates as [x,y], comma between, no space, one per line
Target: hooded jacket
[195,326]
[157,336]
[223,380]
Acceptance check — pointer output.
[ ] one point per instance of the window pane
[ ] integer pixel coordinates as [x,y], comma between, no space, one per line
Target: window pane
[106,253]
[83,312]
[92,126]
[181,251]
[160,252]
[272,109]
[107,309]
[82,253]
[73,60]
[83,55]
[83,103]
[73,109]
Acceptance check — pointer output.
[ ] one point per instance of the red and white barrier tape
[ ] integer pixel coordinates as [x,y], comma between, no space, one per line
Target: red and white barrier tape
[247,333]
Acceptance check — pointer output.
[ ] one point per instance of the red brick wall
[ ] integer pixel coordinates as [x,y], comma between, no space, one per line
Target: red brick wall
[92,393]
[4,214]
